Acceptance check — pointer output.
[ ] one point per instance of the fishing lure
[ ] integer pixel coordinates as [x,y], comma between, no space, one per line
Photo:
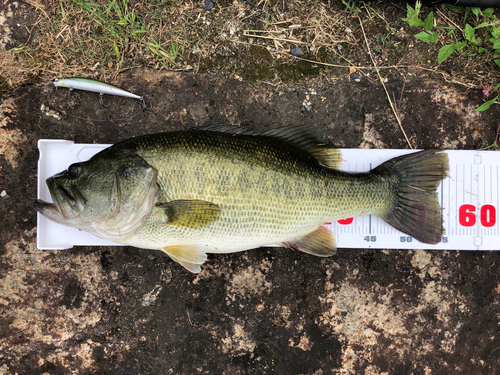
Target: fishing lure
[94,86]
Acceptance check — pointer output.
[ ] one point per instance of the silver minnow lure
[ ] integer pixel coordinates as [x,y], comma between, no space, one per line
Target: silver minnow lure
[93,86]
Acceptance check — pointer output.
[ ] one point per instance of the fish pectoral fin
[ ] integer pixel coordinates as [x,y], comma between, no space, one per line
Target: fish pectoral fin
[188,257]
[190,213]
[321,243]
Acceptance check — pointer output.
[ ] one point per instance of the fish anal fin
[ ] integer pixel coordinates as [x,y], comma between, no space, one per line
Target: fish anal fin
[190,213]
[189,257]
[321,243]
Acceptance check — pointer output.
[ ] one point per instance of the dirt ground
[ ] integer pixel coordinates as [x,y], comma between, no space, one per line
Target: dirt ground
[101,310]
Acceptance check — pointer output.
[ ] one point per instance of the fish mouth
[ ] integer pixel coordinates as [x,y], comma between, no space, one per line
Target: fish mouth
[68,202]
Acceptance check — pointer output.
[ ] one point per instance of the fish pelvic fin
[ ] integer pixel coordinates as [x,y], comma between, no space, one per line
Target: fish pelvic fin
[190,213]
[321,243]
[190,258]
[415,209]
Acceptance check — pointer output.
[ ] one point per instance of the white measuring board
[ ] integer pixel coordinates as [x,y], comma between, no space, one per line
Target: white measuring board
[469,199]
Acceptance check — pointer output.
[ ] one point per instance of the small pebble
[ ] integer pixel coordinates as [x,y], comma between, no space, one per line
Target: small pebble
[280,93]
[296,52]
[208,5]
[354,75]
[291,89]
[309,108]
[5,195]
[302,109]
[339,47]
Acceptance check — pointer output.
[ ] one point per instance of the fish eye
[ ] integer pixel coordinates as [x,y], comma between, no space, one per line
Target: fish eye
[74,170]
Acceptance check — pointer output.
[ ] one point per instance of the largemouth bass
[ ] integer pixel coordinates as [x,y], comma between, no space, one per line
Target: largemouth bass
[221,189]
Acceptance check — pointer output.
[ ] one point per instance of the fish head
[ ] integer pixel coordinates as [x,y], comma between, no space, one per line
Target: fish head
[109,195]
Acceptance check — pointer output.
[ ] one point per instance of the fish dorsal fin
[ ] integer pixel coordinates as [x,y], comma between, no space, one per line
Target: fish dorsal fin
[190,258]
[228,129]
[306,138]
[190,213]
[327,157]
[321,243]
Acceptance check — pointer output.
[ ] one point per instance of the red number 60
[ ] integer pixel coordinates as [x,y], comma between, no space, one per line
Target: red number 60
[467,215]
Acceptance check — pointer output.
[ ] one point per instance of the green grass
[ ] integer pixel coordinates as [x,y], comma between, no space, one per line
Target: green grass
[481,35]
[118,24]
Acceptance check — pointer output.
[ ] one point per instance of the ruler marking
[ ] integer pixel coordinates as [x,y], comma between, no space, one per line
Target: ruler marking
[492,230]
[489,177]
[475,228]
[441,197]
[449,206]
[370,216]
[441,204]
[497,202]
[466,230]
[487,199]
[464,183]
[482,197]
[478,196]
[456,197]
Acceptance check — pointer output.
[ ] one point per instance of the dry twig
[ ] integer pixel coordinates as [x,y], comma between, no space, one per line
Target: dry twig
[385,88]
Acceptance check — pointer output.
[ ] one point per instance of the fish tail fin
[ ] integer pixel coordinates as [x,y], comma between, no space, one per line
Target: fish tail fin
[415,209]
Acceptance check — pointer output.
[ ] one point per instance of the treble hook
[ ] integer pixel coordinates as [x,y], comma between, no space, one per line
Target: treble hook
[143,104]
[68,95]
[101,102]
